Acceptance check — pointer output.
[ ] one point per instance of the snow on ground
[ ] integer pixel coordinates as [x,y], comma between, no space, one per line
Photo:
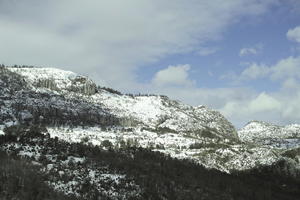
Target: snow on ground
[281,143]
[143,138]
[1,129]
[226,159]
[102,178]
[155,112]
[23,150]
[159,111]
[73,159]
[210,153]
[148,110]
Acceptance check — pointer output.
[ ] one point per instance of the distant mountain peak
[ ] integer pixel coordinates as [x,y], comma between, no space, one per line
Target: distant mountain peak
[263,132]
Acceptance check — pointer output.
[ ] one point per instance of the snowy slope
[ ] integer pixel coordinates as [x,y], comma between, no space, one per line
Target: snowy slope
[151,111]
[161,112]
[155,122]
[210,152]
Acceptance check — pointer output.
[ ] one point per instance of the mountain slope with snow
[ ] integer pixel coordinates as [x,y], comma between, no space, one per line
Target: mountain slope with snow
[269,134]
[74,109]
[156,112]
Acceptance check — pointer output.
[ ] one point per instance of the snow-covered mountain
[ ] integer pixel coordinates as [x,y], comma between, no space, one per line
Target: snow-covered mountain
[74,109]
[269,134]
[156,112]
[58,119]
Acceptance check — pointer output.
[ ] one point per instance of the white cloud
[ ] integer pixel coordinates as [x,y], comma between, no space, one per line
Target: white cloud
[243,104]
[251,50]
[291,83]
[292,108]
[173,75]
[256,105]
[251,72]
[286,68]
[255,71]
[294,34]
[247,51]
[281,106]
[263,103]
[205,51]
[283,69]
[212,97]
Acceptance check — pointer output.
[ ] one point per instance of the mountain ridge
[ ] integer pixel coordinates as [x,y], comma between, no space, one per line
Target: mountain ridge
[146,105]
[59,98]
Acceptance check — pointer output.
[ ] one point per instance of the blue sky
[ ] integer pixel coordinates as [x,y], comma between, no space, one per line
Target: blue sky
[241,57]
